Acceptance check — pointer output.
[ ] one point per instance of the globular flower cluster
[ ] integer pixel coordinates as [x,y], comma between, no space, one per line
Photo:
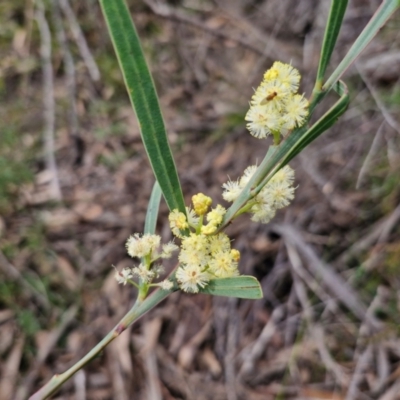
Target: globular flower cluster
[204,254]
[276,194]
[147,248]
[276,107]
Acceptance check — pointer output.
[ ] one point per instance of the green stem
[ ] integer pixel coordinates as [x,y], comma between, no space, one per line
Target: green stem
[137,311]
[133,283]
[200,224]
[143,290]
[245,195]
[246,208]
[277,138]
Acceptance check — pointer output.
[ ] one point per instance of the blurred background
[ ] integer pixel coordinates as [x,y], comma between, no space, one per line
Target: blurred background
[75,182]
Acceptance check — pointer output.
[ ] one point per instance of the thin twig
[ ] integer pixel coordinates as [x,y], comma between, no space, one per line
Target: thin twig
[368,159]
[386,114]
[331,280]
[151,333]
[80,385]
[48,99]
[165,11]
[69,69]
[79,37]
[362,363]
[379,234]
[257,348]
[315,330]
[231,344]
[364,357]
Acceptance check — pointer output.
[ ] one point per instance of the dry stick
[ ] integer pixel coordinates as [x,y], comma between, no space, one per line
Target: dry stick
[371,154]
[298,268]
[362,363]
[44,351]
[366,356]
[379,233]
[315,330]
[386,114]
[392,393]
[335,200]
[153,380]
[382,368]
[231,344]
[151,334]
[80,40]
[331,280]
[80,385]
[10,370]
[387,228]
[69,69]
[292,319]
[257,349]
[48,99]
[117,381]
[165,11]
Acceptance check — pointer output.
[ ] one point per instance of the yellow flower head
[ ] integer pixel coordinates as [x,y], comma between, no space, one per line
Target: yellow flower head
[208,229]
[277,193]
[285,74]
[231,190]
[214,218]
[191,278]
[194,250]
[275,107]
[141,246]
[235,255]
[216,215]
[177,222]
[296,111]
[223,265]
[201,203]
[168,249]
[219,242]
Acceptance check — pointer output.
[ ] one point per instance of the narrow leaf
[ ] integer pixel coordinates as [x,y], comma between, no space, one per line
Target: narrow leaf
[242,287]
[387,8]
[335,20]
[152,209]
[144,99]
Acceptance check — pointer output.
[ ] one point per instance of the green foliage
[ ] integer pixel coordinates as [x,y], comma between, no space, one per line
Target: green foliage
[14,170]
[152,209]
[28,322]
[35,238]
[387,8]
[140,86]
[242,287]
[394,98]
[8,293]
[113,160]
[335,19]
